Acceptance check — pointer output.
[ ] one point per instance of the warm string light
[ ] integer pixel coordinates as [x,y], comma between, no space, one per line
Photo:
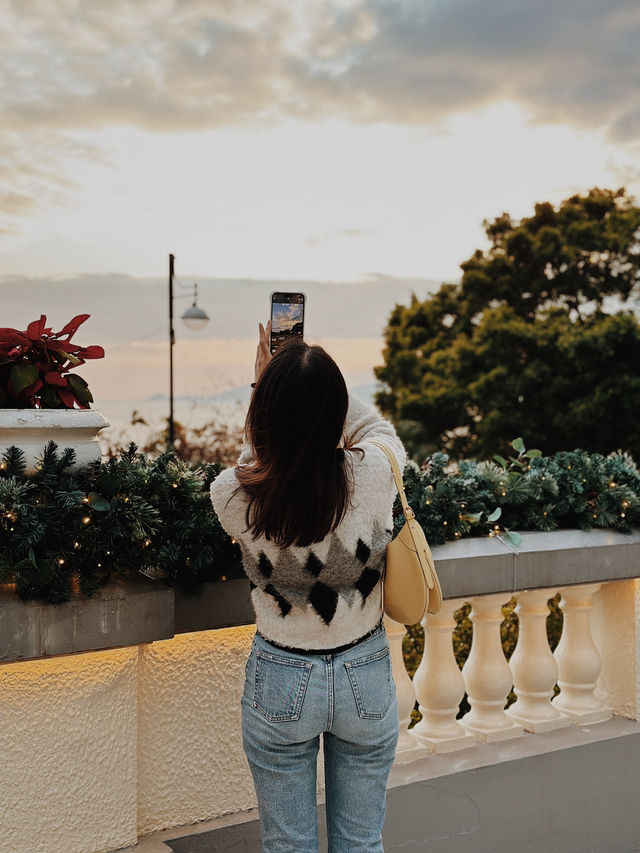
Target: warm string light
[86,519]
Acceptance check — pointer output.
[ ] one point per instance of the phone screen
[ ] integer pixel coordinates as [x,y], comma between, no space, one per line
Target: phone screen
[287,318]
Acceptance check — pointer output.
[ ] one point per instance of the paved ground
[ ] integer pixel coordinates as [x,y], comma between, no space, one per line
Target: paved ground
[233,834]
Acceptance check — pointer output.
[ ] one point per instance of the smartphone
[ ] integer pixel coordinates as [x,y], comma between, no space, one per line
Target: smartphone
[287,318]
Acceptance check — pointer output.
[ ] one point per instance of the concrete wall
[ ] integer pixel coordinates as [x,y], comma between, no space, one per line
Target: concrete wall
[68,733]
[99,748]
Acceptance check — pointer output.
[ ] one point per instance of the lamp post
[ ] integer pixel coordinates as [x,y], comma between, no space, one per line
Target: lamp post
[194,318]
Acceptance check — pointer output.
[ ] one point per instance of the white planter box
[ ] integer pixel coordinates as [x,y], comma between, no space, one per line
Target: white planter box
[32,429]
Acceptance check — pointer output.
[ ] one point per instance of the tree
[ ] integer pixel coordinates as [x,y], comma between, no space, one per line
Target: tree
[538,339]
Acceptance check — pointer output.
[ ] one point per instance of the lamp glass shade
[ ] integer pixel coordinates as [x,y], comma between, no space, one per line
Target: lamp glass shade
[195,318]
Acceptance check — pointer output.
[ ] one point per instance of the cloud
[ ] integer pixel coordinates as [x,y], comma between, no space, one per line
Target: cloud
[125,310]
[181,65]
[185,64]
[343,232]
[34,171]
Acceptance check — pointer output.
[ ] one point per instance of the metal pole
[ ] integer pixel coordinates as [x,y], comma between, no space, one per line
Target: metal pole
[171,435]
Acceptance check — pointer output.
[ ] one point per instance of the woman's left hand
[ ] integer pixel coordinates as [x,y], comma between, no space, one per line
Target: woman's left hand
[263,355]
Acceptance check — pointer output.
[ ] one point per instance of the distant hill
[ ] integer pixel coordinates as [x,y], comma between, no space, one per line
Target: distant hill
[242,394]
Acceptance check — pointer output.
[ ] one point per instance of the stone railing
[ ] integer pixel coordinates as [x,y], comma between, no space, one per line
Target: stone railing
[142,731]
[594,664]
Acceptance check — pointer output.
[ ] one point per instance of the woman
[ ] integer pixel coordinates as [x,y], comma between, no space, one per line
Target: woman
[310,504]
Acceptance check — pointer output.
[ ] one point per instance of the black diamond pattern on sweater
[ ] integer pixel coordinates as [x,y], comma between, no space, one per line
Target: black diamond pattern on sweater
[363,552]
[264,564]
[366,582]
[324,601]
[314,565]
[283,604]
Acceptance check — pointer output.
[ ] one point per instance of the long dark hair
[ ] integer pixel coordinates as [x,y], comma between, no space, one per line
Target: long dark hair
[297,483]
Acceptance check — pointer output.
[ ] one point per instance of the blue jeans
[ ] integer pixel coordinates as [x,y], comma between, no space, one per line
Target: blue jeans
[289,700]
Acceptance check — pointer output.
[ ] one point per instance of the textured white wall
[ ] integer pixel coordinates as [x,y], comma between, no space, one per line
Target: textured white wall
[616,633]
[191,765]
[68,753]
[98,748]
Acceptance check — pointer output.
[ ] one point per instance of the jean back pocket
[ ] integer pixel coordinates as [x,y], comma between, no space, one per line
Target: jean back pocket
[280,686]
[372,684]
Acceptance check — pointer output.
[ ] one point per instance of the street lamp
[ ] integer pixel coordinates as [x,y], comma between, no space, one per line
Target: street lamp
[194,318]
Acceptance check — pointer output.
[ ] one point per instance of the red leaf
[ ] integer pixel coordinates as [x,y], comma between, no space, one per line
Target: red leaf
[90,352]
[36,329]
[53,378]
[67,397]
[72,326]
[13,337]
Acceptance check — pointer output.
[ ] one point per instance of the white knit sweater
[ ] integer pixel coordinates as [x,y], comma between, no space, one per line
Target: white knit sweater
[329,593]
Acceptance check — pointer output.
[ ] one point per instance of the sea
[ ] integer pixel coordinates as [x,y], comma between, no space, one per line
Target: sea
[138,420]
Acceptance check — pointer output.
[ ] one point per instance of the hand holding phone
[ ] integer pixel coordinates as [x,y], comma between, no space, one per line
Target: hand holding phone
[287,318]
[263,356]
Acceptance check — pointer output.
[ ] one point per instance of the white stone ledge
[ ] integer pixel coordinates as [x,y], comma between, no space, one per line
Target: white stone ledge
[139,611]
[560,558]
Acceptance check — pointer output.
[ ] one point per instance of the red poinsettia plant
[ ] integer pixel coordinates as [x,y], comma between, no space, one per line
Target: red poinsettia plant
[35,365]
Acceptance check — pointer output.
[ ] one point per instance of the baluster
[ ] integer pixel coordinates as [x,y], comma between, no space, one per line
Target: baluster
[404,686]
[439,685]
[534,667]
[578,659]
[487,674]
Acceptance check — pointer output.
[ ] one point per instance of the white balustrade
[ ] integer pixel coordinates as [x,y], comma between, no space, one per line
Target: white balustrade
[439,685]
[487,677]
[404,686]
[487,674]
[534,667]
[579,662]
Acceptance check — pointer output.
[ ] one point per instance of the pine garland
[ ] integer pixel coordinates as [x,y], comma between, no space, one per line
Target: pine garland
[64,529]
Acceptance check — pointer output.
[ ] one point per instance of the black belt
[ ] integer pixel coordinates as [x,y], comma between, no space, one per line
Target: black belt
[334,651]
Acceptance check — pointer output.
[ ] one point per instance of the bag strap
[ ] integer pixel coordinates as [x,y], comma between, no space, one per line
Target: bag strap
[397,476]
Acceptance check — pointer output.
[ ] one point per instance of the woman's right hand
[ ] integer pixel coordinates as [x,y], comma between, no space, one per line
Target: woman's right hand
[263,354]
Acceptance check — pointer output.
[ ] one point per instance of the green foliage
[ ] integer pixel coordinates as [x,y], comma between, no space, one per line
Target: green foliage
[523,345]
[62,529]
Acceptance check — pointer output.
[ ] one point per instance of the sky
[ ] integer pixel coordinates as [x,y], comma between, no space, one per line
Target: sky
[348,148]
